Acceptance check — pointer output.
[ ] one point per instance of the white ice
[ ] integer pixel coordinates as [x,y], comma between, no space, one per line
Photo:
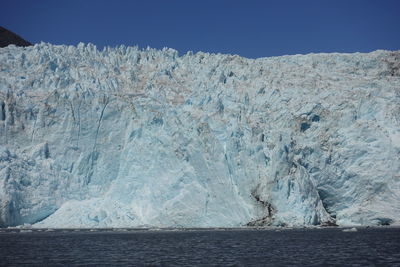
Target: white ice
[128,138]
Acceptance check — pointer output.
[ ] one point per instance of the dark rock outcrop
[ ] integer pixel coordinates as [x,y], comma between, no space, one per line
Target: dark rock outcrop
[7,37]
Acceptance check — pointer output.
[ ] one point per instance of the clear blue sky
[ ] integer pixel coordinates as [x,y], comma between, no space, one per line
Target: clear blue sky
[250,28]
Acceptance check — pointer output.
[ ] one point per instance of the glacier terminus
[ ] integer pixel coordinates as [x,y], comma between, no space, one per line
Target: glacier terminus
[129,137]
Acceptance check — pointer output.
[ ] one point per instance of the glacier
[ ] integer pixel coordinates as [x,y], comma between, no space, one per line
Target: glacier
[129,137]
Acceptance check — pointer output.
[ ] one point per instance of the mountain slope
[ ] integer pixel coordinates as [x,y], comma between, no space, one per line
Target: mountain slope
[7,37]
[126,138]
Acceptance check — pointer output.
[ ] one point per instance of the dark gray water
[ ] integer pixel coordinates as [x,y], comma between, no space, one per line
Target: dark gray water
[300,247]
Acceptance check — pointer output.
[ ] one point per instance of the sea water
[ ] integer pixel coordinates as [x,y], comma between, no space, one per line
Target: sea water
[232,247]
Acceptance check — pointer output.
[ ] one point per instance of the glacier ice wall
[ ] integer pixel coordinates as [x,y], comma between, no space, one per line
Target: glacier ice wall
[126,138]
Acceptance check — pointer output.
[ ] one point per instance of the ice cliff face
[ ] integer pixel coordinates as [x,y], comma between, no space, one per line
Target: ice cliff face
[126,137]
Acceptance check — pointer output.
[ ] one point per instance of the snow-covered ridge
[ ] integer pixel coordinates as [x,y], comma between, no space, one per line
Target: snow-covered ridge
[126,137]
